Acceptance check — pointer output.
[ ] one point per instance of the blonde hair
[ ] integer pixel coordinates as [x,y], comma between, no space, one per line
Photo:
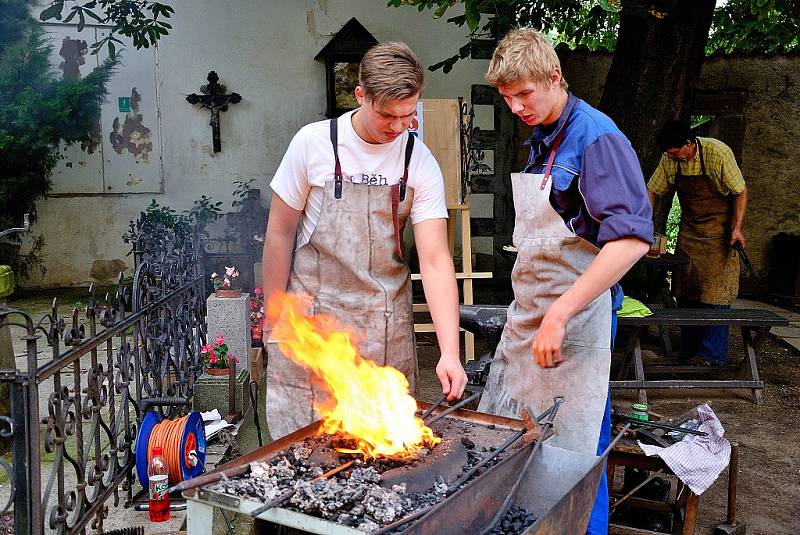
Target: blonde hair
[390,71]
[523,54]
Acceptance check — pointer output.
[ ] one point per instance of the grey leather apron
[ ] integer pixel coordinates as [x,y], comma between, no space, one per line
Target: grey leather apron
[353,269]
[550,259]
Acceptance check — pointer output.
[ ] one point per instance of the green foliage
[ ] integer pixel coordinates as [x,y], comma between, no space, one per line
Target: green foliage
[202,212]
[38,112]
[673,222]
[755,26]
[576,22]
[769,26]
[242,192]
[139,20]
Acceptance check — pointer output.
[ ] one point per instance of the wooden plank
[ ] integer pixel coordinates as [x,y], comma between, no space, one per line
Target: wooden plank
[703,316]
[441,133]
[466,263]
[699,383]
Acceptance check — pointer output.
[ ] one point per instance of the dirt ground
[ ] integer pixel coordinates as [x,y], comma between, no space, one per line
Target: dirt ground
[768,435]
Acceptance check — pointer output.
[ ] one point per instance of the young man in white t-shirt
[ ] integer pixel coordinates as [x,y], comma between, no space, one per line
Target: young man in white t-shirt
[340,199]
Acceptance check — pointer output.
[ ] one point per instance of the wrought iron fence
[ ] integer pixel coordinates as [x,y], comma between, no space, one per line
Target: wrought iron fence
[75,407]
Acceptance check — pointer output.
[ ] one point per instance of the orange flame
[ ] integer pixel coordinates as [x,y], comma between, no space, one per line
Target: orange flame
[368,403]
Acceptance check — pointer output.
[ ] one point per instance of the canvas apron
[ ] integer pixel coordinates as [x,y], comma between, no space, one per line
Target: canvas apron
[352,267]
[712,275]
[550,259]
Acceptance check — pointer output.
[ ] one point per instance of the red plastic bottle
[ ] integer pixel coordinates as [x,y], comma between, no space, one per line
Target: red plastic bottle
[158,475]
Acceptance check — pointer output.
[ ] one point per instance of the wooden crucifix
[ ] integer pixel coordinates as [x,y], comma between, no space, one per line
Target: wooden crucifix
[214,98]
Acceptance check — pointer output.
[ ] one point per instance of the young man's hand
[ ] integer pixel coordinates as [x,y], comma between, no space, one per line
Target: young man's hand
[546,347]
[452,376]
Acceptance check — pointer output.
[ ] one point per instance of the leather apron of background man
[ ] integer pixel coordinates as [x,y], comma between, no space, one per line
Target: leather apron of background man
[352,267]
[712,275]
[550,259]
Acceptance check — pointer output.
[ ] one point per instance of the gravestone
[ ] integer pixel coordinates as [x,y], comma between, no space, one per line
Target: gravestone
[230,317]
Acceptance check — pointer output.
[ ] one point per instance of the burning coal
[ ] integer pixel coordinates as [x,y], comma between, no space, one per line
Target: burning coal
[369,404]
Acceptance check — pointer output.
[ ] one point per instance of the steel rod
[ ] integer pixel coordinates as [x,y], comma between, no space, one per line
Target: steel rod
[656,425]
[486,460]
[557,401]
[467,475]
[453,408]
[434,406]
[207,479]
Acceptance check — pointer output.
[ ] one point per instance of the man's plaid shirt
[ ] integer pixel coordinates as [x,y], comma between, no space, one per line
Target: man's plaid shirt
[720,166]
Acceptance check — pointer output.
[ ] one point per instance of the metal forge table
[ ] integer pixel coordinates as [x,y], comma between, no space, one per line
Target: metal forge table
[559,487]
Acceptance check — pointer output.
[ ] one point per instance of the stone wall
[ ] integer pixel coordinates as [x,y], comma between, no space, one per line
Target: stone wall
[764,93]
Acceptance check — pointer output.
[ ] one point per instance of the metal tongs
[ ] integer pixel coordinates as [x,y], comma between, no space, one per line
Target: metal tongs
[743,256]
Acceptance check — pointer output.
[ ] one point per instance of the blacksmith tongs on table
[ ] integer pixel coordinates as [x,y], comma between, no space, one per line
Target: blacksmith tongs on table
[743,256]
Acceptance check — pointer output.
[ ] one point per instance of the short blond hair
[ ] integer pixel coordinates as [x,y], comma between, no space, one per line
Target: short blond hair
[390,71]
[523,54]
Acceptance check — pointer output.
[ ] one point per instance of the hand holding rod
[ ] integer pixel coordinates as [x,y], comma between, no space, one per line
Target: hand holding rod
[548,424]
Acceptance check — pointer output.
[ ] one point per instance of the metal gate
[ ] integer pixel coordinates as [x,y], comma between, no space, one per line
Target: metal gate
[75,396]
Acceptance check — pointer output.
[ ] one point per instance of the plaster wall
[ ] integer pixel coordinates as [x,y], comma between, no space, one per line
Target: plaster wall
[262,50]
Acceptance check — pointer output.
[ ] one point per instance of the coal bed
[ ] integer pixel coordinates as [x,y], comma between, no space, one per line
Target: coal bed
[369,494]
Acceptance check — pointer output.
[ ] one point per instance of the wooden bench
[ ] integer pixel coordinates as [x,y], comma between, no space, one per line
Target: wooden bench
[754,325]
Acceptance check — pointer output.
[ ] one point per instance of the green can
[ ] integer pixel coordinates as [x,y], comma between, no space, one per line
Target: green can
[639,412]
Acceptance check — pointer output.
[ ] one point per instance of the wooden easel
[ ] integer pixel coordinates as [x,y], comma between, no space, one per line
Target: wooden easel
[442,135]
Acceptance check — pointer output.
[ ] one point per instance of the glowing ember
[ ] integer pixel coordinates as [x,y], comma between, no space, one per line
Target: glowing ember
[369,404]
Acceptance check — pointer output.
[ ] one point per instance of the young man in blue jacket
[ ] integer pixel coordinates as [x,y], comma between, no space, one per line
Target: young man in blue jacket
[583,218]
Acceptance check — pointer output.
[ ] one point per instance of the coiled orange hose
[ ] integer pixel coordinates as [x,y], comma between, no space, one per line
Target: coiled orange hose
[168,434]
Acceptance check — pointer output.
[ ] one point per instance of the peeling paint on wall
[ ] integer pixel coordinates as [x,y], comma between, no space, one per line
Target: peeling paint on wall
[107,270]
[74,51]
[311,22]
[133,136]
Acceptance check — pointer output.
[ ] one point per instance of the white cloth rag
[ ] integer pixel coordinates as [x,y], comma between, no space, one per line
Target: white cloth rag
[697,460]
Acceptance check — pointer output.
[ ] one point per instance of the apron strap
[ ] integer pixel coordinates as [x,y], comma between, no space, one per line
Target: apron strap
[409,150]
[337,173]
[551,159]
[702,163]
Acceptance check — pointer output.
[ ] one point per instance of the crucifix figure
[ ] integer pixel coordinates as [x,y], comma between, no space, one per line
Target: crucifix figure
[214,98]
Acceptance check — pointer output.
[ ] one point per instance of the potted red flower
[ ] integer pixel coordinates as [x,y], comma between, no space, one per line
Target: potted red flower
[216,358]
[256,316]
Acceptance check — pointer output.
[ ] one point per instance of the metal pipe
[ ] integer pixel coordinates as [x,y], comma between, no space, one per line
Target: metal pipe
[453,408]
[557,401]
[207,479]
[656,425]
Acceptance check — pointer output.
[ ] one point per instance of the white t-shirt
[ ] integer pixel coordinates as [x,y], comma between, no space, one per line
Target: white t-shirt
[309,163]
